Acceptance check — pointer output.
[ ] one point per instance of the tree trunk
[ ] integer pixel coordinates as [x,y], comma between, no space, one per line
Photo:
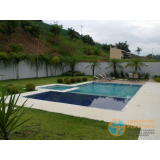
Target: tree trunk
[93,70]
[18,71]
[72,70]
[136,68]
[37,68]
[47,69]
[51,71]
[115,71]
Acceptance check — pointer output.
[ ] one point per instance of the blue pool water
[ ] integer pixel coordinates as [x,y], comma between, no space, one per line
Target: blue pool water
[57,87]
[108,89]
[99,95]
[95,101]
[101,89]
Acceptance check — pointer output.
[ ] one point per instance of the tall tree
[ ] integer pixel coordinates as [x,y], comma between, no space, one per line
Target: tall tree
[62,63]
[115,63]
[16,55]
[123,46]
[52,62]
[138,50]
[11,26]
[94,64]
[72,33]
[72,62]
[135,63]
[56,29]
[88,39]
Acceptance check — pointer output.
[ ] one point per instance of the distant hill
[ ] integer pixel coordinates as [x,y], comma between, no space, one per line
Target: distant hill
[50,44]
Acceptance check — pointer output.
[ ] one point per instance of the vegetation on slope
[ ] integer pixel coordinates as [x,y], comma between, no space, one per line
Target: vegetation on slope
[48,43]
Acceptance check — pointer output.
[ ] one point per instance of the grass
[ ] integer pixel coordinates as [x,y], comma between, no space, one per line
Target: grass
[49,125]
[54,126]
[157,79]
[21,84]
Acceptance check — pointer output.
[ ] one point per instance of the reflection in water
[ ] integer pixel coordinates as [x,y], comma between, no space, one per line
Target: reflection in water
[83,100]
[109,89]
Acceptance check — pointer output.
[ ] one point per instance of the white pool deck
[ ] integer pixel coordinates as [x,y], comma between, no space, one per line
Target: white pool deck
[145,105]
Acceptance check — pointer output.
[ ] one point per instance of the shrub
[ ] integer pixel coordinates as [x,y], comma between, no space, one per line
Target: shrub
[30,87]
[96,51]
[79,74]
[60,80]
[15,47]
[65,79]
[122,74]
[157,79]
[84,78]
[68,81]
[88,50]
[156,76]
[10,85]
[78,79]
[147,75]
[73,80]
[111,74]
[12,89]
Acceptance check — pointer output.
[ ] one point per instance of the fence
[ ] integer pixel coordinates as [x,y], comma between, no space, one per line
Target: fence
[25,71]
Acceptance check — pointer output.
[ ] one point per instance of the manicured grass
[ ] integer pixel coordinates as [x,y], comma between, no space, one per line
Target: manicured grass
[21,84]
[55,126]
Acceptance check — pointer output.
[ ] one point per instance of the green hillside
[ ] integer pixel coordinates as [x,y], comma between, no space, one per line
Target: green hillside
[49,44]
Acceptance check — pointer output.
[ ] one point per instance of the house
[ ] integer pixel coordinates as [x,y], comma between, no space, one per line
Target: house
[121,54]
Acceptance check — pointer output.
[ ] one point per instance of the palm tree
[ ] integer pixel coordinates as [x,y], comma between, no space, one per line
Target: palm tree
[52,62]
[94,64]
[115,63]
[72,62]
[135,63]
[138,50]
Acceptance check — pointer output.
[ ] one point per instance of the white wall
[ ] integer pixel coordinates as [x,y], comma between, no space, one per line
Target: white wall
[153,68]
[25,71]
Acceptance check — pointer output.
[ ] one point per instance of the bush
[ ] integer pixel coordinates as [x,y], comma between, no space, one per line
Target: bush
[65,79]
[78,79]
[122,74]
[156,76]
[79,74]
[68,81]
[96,51]
[12,89]
[67,74]
[156,79]
[30,87]
[10,85]
[73,80]
[15,47]
[88,50]
[60,80]
[147,75]
[84,78]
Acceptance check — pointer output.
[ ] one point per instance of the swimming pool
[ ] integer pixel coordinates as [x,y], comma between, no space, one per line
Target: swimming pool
[57,87]
[101,89]
[111,96]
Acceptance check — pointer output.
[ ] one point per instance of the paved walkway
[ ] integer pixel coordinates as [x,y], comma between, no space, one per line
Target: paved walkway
[144,106]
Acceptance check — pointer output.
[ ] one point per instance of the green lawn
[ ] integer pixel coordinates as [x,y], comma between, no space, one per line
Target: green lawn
[55,126]
[48,125]
[21,84]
